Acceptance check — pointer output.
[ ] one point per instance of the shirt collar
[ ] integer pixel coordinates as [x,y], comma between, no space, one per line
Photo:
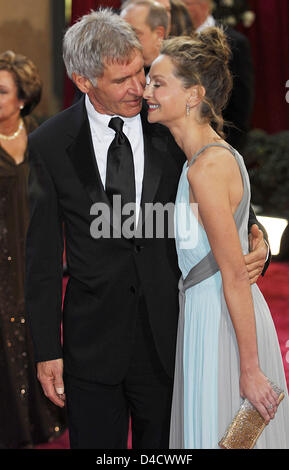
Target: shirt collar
[210,21]
[99,122]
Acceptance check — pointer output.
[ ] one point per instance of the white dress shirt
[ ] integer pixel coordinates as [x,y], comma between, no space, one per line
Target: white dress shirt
[102,136]
[210,21]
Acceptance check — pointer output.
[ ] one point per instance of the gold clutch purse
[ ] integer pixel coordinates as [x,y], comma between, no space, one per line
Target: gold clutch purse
[247,425]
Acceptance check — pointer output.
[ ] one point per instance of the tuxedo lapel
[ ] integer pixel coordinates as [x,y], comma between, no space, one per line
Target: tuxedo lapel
[81,154]
[82,157]
[155,148]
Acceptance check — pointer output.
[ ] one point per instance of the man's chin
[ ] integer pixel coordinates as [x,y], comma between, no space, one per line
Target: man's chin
[132,109]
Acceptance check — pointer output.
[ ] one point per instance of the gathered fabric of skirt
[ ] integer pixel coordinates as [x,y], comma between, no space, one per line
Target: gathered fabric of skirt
[206,393]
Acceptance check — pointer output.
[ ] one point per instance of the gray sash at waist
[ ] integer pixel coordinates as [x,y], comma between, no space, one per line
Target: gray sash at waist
[205,268]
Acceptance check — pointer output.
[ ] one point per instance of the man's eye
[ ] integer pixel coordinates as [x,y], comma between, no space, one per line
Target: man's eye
[156,85]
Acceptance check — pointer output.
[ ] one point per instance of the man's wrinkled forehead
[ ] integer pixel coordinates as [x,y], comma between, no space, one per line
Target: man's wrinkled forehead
[126,59]
[111,61]
[122,65]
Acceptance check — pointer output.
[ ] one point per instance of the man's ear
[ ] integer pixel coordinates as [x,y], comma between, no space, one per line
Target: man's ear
[81,82]
[160,32]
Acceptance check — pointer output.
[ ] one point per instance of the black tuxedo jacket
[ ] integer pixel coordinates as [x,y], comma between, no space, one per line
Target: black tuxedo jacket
[107,275]
[240,105]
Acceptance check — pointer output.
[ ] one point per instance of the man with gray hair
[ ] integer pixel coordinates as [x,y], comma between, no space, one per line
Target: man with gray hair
[120,310]
[121,303]
[149,20]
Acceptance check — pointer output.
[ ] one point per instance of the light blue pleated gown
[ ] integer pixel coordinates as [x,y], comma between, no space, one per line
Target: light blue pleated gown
[206,388]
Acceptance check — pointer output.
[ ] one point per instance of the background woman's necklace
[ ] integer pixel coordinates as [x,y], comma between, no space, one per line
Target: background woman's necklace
[16,133]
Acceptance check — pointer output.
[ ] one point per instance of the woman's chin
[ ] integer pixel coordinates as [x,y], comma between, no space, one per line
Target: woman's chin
[152,119]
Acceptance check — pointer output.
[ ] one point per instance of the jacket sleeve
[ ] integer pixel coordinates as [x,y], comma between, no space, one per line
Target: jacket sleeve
[44,261]
[253,220]
[240,105]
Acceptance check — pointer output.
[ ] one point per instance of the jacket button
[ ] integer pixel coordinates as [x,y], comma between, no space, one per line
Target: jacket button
[138,248]
[132,289]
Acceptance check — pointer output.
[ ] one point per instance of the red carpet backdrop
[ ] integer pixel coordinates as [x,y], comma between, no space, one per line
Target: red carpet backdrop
[269,41]
[275,288]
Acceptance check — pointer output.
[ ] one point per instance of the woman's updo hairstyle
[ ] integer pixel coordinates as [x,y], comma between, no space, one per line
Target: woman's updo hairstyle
[203,60]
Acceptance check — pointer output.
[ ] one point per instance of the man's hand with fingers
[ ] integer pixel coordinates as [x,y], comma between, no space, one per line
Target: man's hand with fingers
[256,259]
[50,375]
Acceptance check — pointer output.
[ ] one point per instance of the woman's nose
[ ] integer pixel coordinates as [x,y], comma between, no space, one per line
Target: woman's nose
[147,91]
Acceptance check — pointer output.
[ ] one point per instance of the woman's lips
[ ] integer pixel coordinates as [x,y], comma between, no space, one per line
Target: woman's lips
[153,107]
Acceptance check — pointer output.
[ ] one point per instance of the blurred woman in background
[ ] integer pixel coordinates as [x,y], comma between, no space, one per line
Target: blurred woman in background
[26,417]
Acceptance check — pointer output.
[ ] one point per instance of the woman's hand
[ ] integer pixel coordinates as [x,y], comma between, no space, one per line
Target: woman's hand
[255,387]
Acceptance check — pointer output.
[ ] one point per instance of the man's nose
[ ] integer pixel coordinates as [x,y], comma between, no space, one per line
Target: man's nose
[137,86]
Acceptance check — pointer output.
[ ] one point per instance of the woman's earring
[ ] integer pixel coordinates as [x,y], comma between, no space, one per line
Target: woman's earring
[188,109]
[21,107]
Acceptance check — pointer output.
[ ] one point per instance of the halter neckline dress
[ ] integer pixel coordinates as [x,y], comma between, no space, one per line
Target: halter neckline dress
[206,394]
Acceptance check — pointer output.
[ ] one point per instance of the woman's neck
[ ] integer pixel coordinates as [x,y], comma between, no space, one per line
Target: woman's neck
[9,126]
[192,136]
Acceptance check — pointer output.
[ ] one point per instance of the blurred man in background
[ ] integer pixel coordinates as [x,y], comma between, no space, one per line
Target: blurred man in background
[168,7]
[149,19]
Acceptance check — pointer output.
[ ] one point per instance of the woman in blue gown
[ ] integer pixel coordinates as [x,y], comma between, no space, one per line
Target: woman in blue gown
[227,346]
